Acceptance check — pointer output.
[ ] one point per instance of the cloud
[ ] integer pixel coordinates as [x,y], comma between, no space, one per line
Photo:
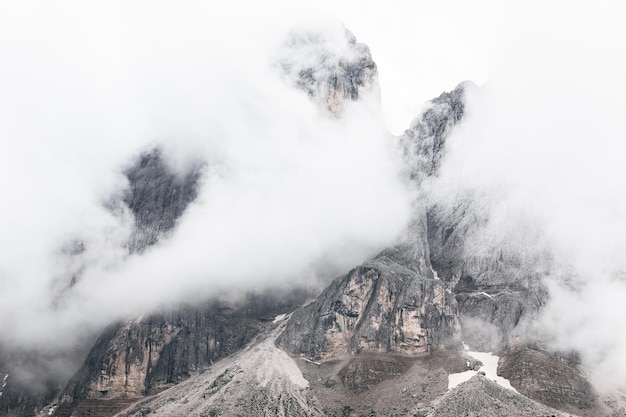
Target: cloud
[543,141]
[85,89]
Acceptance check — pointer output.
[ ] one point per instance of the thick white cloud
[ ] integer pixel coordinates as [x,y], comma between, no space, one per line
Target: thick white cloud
[545,140]
[87,87]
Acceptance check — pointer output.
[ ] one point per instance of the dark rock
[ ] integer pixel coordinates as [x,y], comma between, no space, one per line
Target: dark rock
[157,196]
[424,142]
[379,306]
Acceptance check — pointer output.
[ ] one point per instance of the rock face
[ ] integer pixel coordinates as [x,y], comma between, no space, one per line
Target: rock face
[379,306]
[330,70]
[157,196]
[393,303]
[424,141]
[551,380]
[261,380]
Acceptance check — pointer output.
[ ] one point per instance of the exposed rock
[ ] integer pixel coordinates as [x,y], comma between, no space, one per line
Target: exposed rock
[551,380]
[330,70]
[260,380]
[424,141]
[380,306]
[157,196]
[141,357]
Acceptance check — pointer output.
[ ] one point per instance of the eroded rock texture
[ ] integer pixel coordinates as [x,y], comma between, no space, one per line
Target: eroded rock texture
[379,306]
[157,196]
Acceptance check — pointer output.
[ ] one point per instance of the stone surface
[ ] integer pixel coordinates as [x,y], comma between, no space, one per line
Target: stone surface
[550,379]
[379,306]
[157,196]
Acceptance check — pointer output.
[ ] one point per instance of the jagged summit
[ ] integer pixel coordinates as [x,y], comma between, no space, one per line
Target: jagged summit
[330,69]
[424,141]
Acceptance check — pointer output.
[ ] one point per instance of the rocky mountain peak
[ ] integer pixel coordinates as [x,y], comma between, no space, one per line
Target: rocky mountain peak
[331,70]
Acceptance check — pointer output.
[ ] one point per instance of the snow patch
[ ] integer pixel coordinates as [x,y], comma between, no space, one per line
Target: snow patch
[490,368]
[279,318]
[434,273]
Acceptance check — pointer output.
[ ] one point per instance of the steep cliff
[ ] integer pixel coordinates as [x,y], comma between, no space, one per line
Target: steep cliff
[157,196]
[380,306]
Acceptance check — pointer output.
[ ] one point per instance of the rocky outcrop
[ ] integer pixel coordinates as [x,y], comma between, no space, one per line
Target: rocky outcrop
[380,306]
[393,303]
[424,141]
[157,196]
[144,356]
[550,379]
[260,380]
[331,71]
[498,287]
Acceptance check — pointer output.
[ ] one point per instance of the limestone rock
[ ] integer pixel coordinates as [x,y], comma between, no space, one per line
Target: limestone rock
[380,306]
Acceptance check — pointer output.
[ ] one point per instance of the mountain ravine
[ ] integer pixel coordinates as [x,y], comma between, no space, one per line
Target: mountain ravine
[381,339]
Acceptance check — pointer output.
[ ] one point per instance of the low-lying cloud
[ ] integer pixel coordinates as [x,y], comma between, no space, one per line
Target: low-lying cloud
[284,185]
[543,142]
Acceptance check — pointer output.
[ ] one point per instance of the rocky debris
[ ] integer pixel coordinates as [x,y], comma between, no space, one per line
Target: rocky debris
[146,355]
[550,379]
[481,397]
[367,370]
[259,380]
[331,70]
[379,306]
[380,384]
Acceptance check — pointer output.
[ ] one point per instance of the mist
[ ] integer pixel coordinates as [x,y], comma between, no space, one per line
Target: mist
[542,144]
[87,87]
[284,188]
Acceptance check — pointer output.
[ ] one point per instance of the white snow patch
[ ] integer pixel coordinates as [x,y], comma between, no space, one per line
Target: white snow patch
[490,368]
[279,318]
[434,273]
[456,379]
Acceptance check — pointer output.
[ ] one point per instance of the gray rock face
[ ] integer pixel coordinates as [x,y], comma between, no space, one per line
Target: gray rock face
[157,196]
[550,379]
[424,141]
[392,303]
[498,288]
[329,72]
[145,356]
